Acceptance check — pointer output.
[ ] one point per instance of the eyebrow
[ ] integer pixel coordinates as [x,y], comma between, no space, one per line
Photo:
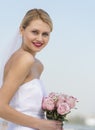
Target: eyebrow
[39,30]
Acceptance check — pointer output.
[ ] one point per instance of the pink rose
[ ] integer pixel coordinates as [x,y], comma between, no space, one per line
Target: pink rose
[61,99]
[63,108]
[48,104]
[71,101]
[58,103]
[54,96]
[63,95]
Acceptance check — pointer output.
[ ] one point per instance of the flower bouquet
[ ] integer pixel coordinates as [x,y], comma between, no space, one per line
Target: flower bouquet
[56,106]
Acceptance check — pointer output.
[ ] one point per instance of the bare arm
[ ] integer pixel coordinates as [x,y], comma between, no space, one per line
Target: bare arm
[15,77]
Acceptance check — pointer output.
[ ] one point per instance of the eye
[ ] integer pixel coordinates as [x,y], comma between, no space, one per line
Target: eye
[35,32]
[45,34]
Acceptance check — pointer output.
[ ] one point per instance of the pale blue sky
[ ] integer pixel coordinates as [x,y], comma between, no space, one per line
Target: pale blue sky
[69,58]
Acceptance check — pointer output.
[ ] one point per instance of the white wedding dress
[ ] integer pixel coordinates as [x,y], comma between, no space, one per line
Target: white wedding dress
[28,100]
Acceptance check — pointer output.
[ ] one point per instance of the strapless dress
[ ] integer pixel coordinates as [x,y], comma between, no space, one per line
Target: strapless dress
[28,100]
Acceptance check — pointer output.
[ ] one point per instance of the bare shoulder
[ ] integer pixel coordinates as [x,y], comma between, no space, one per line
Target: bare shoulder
[15,73]
[21,58]
[40,64]
[25,57]
[19,62]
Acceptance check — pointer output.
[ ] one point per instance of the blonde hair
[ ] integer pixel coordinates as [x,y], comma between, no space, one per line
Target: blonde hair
[35,14]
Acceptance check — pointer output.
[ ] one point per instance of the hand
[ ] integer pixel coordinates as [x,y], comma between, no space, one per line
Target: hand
[50,125]
[61,127]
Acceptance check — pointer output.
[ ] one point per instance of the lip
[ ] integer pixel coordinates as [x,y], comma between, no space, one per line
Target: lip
[37,44]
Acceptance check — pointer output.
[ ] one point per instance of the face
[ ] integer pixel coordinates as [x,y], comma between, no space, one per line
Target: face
[35,36]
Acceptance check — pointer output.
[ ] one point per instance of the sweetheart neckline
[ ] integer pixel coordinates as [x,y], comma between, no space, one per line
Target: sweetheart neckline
[31,81]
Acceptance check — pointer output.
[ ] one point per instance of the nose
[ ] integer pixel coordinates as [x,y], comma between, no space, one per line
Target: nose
[40,38]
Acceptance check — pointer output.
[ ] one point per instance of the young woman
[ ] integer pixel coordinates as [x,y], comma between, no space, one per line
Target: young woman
[22,91]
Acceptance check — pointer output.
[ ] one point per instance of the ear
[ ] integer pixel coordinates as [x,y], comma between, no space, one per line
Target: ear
[21,30]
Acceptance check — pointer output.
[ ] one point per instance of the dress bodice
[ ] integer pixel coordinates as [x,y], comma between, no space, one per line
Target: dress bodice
[28,100]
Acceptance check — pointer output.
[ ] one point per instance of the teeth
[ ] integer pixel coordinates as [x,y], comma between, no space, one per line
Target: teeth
[38,44]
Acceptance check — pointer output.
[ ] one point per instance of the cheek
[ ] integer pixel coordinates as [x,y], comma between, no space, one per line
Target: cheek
[28,36]
[25,37]
[46,40]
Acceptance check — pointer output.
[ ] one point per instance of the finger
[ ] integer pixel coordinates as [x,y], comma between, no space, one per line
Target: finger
[59,127]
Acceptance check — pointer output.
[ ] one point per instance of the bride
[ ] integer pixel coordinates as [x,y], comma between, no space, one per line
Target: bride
[22,90]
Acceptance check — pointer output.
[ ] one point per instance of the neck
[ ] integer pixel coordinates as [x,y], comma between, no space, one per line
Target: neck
[28,50]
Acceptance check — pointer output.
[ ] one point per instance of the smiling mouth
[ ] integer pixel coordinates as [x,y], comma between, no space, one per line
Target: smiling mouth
[37,44]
